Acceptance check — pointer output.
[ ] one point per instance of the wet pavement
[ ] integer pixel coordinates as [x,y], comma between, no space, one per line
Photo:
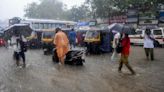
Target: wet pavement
[98,74]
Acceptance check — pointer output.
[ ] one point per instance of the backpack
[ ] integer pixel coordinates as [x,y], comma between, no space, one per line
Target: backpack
[119,48]
[24,46]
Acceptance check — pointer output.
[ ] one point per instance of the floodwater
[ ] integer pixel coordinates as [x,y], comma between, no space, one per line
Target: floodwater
[99,74]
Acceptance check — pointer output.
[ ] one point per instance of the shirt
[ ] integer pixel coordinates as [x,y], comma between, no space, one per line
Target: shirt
[116,39]
[72,36]
[126,46]
[17,48]
[148,43]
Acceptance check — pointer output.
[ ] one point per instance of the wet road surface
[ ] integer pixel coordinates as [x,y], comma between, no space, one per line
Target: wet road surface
[98,74]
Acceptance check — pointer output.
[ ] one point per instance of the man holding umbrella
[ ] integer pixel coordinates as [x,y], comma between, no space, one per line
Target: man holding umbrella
[125,44]
[116,38]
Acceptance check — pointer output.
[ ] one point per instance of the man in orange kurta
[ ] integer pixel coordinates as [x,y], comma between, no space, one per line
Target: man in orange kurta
[62,44]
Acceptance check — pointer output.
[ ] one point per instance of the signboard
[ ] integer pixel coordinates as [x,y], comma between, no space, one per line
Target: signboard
[132,12]
[151,22]
[117,19]
[133,25]
[103,21]
[131,20]
[92,23]
[132,16]
[161,17]
[147,15]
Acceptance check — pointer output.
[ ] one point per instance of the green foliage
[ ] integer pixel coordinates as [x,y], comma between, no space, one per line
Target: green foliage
[47,9]
[54,9]
[105,8]
[79,13]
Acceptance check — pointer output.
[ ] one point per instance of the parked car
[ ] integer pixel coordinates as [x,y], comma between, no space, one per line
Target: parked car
[138,37]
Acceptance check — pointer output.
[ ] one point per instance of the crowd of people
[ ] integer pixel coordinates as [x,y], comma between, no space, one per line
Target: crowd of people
[121,45]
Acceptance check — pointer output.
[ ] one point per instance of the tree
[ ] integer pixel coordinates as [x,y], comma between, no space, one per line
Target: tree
[47,9]
[79,13]
[105,8]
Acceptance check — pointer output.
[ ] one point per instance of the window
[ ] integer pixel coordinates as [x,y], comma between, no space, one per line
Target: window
[139,32]
[45,26]
[54,25]
[41,26]
[48,34]
[49,25]
[92,35]
[157,32]
[57,25]
[35,25]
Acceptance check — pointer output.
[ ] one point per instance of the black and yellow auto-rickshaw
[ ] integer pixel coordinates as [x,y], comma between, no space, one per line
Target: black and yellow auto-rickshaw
[47,40]
[98,41]
[34,40]
[80,33]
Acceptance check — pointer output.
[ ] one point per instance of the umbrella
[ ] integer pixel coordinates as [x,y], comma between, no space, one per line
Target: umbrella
[18,29]
[120,28]
[128,30]
[115,27]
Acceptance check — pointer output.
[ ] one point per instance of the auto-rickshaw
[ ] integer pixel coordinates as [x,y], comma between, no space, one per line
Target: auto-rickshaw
[47,40]
[98,41]
[81,32]
[34,40]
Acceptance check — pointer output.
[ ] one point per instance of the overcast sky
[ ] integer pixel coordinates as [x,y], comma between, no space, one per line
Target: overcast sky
[12,8]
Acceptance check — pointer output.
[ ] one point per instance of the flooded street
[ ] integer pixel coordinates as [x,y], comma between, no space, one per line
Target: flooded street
[98,74]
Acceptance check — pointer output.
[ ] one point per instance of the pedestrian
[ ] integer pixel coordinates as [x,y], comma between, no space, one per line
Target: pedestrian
[14,45]
[125,42]
[19,51]
[8,43]
[72,38]
[149,44]
[115,43]
[62,44]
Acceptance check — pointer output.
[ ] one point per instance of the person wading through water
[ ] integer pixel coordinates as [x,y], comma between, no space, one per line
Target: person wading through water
[149,44]
[125,42]
[20,51]
[62,44]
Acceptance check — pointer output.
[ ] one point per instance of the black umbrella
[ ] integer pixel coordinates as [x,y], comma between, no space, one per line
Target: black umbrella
[128,30]
[116,27]
[18,29]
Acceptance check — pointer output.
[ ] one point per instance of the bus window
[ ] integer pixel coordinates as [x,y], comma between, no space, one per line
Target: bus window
[45,26]
[41,26]
[53,25]
[157,32]
[35,25]
[57,25]
[49,25]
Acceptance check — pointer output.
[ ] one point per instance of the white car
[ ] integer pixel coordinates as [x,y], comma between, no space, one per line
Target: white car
[138,37]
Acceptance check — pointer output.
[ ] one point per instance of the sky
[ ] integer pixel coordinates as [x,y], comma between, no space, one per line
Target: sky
[15,8]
